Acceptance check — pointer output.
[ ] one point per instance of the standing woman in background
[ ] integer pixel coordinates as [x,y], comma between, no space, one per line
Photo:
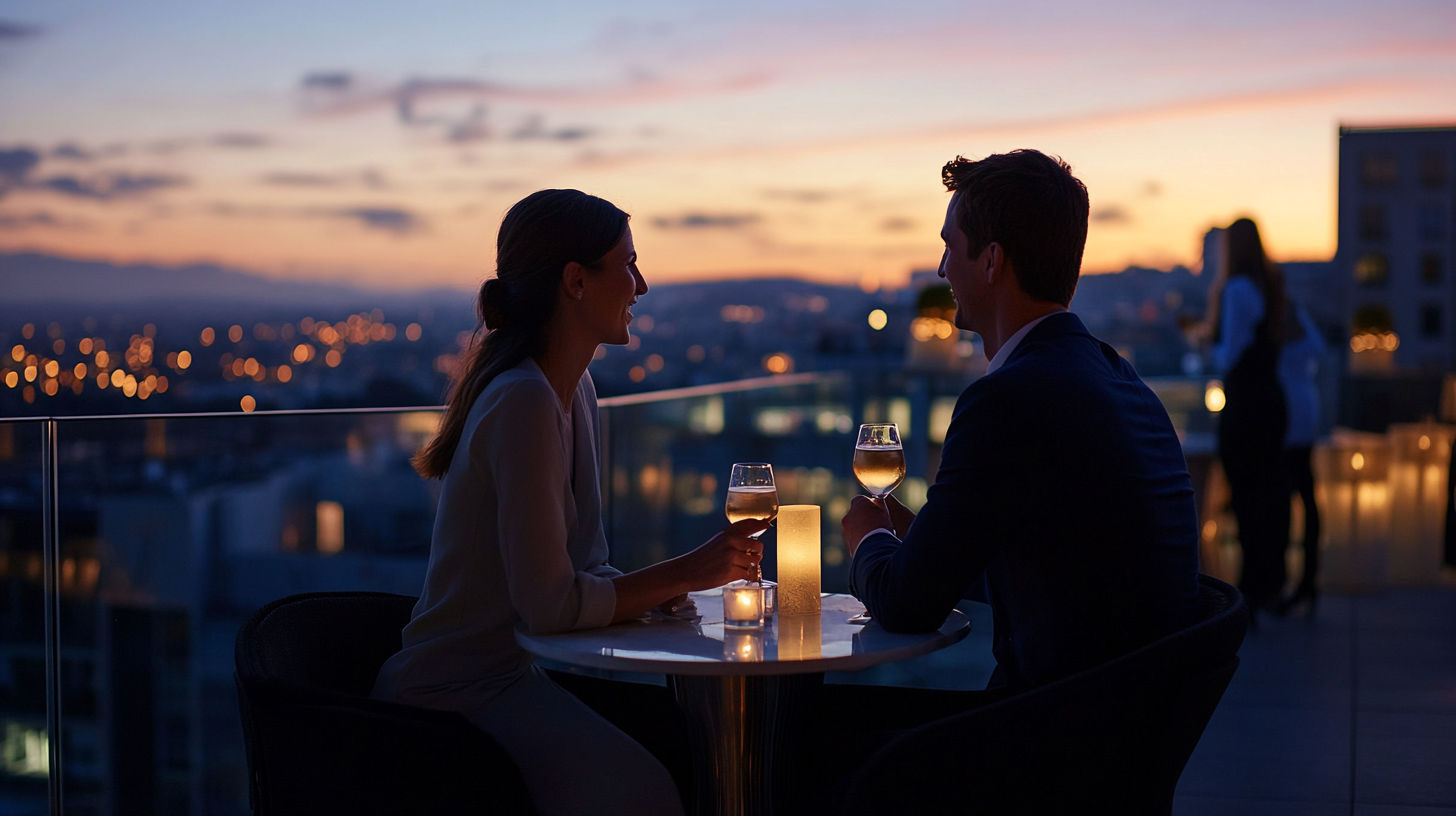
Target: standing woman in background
[1248,332]
[518,536]
[1298,364]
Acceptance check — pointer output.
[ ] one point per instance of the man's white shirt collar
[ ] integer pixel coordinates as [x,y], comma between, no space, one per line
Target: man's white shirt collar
[1005,351]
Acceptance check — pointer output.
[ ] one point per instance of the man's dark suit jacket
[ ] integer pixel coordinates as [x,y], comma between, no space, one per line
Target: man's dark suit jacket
[1063,485]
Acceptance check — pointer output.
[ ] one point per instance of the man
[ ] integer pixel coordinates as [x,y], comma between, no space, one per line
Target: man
[1062,493]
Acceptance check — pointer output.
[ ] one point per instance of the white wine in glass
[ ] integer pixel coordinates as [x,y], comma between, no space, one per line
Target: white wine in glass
[752,493]
[879,459]
[879,465]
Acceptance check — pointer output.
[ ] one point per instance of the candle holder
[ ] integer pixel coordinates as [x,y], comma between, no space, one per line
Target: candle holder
[743,605]
[770,597]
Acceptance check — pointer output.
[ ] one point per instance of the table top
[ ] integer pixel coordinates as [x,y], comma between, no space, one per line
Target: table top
[785,645]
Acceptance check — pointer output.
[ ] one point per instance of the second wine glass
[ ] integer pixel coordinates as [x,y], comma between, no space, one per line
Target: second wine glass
[879,465]
[879,459]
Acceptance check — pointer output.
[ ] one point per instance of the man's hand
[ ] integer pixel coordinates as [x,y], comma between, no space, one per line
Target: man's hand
[901,515]
[865,515]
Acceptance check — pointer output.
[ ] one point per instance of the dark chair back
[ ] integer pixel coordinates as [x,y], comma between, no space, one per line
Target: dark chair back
[1111,739]
[317,743]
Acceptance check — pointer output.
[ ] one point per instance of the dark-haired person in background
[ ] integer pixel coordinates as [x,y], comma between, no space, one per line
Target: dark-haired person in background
[519,537]
[1248,331]
[1062,492]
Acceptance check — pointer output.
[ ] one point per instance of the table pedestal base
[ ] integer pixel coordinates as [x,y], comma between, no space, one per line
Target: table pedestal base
[747,737]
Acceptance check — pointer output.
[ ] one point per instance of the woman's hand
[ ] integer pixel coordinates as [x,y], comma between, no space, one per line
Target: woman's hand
[728,556]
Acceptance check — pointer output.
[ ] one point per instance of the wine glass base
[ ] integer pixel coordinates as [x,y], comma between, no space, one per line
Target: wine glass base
[863,617]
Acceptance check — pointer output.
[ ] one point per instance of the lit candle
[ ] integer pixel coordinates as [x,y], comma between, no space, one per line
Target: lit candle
[798,560]
[743,605]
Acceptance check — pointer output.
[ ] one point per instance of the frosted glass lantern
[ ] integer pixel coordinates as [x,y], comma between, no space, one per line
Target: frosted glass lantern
[1353,492]
[798,560]
[1419,464]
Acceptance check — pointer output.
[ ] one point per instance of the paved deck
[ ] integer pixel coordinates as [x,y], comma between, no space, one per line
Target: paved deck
[1351,711]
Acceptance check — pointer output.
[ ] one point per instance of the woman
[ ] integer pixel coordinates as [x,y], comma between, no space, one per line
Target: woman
[1248,332]
[518,535]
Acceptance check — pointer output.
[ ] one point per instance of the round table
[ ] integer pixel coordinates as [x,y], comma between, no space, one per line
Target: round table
[747,692]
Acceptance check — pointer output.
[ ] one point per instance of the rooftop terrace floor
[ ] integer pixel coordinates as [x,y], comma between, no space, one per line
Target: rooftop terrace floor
[1350,711]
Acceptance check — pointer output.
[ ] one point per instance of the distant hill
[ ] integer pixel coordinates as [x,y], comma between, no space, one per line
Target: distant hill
[33,279]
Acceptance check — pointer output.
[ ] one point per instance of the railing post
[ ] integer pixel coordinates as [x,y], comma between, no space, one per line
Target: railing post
[604,462]
[51,558]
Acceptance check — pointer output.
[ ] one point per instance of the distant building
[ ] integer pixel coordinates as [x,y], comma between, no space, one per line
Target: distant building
[1397,243]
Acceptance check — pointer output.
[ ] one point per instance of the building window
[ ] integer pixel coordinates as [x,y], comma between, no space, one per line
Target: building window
[1373,222]
[1431,321]
[1372,270]
[1372,318]
[1433,170]
[1431,271]
[1432,222]
[1377,171]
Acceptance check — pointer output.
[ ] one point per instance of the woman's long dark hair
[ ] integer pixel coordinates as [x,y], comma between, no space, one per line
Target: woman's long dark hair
[1245,252]
[540,235]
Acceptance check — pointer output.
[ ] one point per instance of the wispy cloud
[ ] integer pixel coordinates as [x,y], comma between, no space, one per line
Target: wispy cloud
[369,178]
[70,151]
[337,93]
[23,222]
[108,186]
[1111,215]
[10,30]
[228,141]
[15,164]
[383,219]
[534,127]
[805,196]
[700,220]
[397,221]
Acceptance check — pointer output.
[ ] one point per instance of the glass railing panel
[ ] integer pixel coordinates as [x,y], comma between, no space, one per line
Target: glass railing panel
[24,736]
[669,455]
[175,529]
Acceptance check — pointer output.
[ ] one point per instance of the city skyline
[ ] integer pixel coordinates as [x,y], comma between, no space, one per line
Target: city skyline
[356,143]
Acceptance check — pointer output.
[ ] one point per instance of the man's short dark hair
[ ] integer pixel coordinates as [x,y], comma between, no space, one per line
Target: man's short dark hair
[1033,206]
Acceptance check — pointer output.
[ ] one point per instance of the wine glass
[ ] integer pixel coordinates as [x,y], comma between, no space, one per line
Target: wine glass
[879,459]
[879,465]
[752,494]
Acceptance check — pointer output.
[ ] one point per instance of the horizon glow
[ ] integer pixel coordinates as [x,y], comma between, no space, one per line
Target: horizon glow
[360,142]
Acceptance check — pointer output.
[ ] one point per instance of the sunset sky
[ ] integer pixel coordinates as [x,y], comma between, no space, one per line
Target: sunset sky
[380,143]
